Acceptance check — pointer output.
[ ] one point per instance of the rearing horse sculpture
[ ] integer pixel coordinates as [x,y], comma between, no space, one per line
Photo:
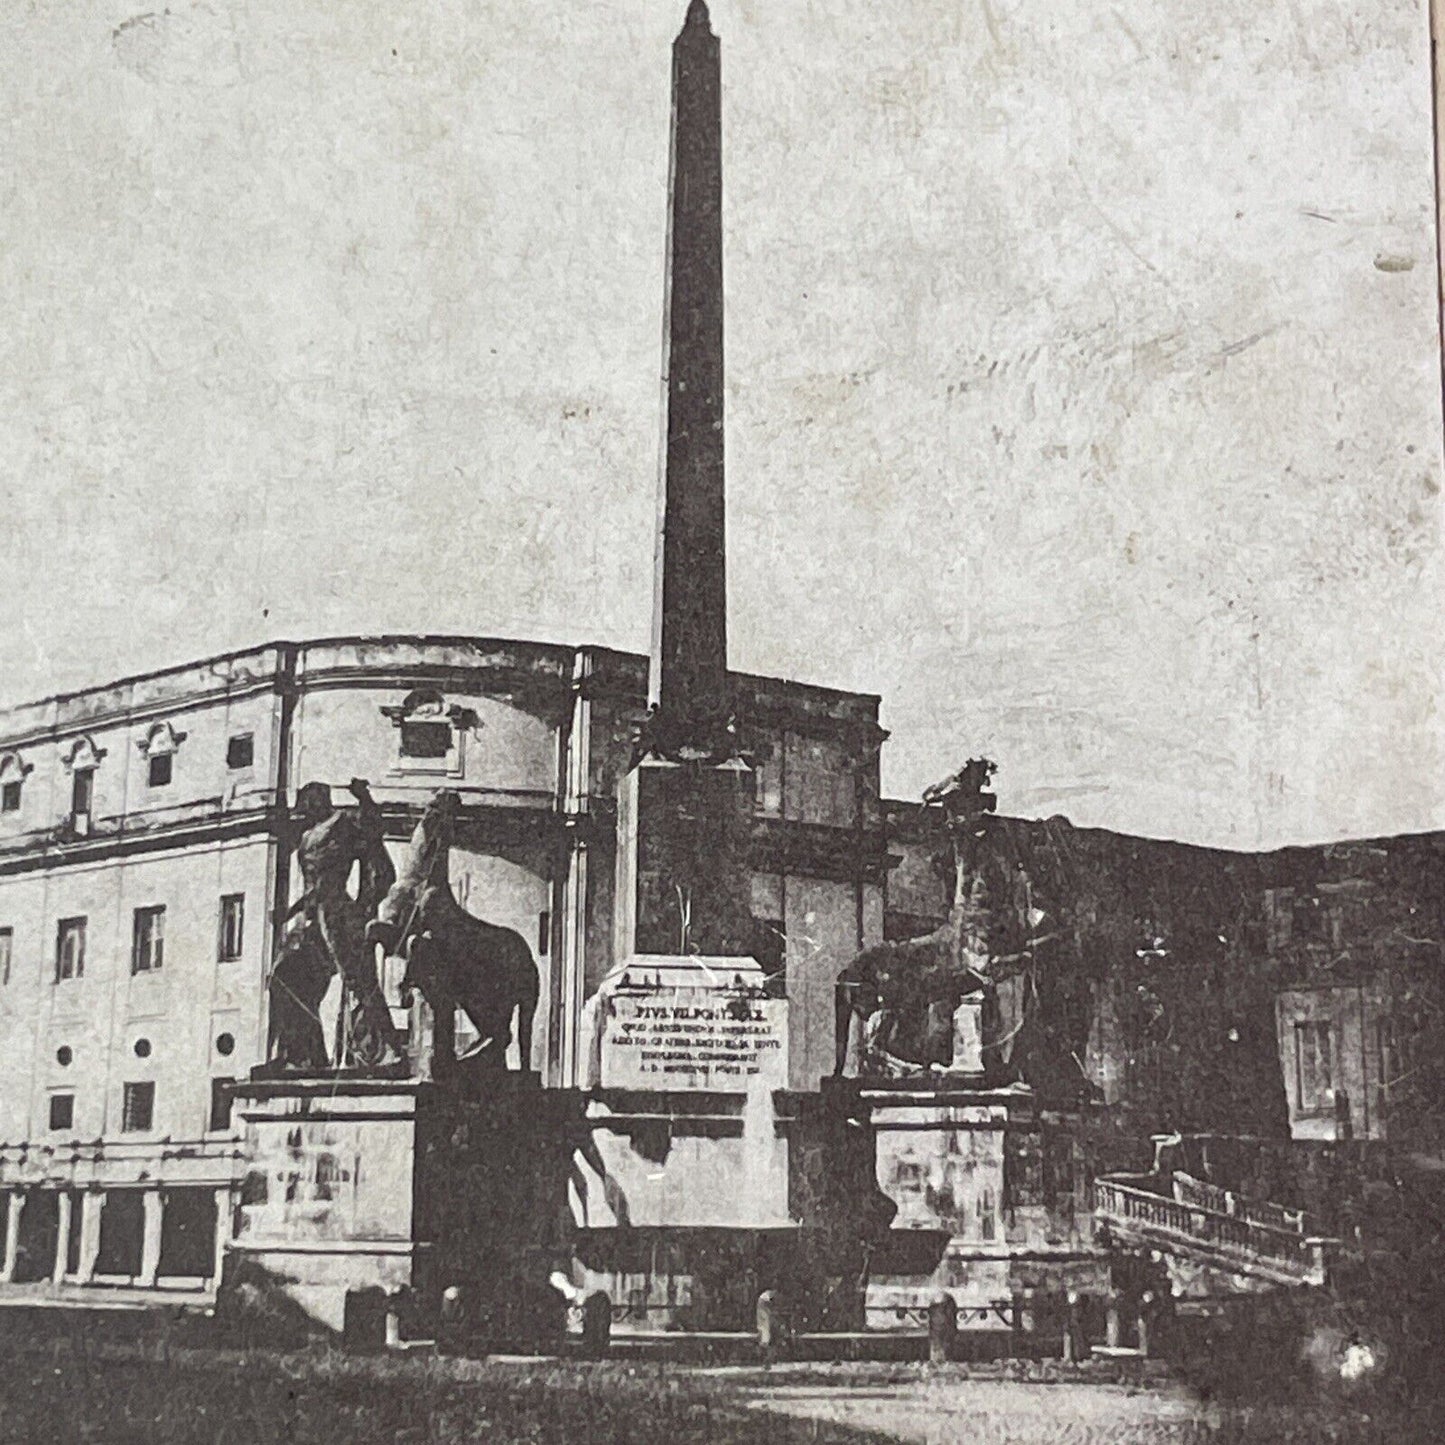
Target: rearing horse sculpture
[456,960]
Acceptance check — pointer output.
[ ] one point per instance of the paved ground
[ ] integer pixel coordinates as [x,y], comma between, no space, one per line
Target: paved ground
[940,1413]
[946,1411]
[94,1387]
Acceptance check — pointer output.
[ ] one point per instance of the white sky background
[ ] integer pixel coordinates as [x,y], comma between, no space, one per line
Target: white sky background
[1084,394]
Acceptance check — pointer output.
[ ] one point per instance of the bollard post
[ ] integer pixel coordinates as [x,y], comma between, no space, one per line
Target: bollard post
[1113,1325]
[596,1324]
[772,1325]
[450,1319]
[1146,1313]
[942,1329]
[1076,1339]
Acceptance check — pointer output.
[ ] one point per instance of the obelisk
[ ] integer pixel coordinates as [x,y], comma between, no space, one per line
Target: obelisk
[685,810]
[688,682]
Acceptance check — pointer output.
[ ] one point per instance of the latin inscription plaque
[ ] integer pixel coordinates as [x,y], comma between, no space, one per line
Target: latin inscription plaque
[680,1025]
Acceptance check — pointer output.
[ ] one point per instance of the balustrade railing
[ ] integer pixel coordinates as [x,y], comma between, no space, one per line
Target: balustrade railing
[1286,1249]
[1189,1190]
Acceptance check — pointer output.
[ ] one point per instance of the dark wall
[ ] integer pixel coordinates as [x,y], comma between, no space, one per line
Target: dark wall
[1145,971]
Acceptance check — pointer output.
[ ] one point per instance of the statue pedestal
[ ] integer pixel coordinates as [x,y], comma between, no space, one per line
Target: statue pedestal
[685,1170]
[362,1183]
[992,1205]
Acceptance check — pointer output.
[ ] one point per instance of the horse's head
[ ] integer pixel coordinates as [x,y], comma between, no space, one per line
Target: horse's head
[965,791]
[431,842]
[440,814]
[858,984]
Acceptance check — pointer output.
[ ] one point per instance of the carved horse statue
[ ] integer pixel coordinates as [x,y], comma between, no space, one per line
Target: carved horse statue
[906,992]
[456,960]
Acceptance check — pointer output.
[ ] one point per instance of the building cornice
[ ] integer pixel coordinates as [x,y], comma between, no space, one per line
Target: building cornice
[54,850]
[815,850]
[133,714]
[547,697]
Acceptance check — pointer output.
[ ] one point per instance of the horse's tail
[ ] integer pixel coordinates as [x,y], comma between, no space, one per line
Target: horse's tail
[855,993]
[843,1010]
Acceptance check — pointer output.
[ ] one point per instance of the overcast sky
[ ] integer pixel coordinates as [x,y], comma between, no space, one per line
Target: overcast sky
[1084,393]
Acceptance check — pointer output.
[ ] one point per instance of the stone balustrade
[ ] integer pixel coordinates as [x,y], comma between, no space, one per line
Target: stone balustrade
[1283,1253]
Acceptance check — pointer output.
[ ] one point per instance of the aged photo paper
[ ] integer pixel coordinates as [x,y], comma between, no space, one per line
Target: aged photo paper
[721,721]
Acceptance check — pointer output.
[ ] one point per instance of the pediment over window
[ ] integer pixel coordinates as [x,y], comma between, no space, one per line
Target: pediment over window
[426,704]
[14,768]
[430,731]
[160,738]
[81,754]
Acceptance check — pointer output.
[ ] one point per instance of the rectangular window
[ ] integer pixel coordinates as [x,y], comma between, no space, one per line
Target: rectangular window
[544,934]
[138,1108]
[62,1111]
[1058,1168]
[82,791]
[7,945]
[1387,1054]
[426,739]
[987,1213]
[1314,1068]
[1335,922]
[768,783]
[769,941]
[328,1175]
[1279,917]
[1023,1178]
[241,751]
[232,928]
[148,937]
[1393,1063]
[69,949]
[72,1240]
[220,1104]
[1309,923]
[770,948]
[158,770]
[10,798]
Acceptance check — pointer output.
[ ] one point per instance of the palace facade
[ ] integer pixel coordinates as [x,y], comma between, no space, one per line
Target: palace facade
[145,870]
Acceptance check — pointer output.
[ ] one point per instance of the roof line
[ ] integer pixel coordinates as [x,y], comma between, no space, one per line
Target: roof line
[1276,850]
[276,644]
[432,639]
